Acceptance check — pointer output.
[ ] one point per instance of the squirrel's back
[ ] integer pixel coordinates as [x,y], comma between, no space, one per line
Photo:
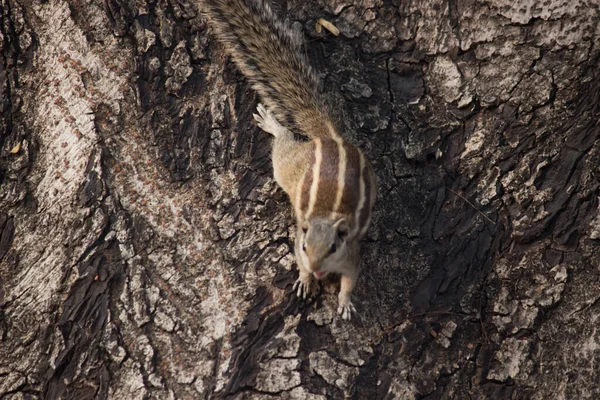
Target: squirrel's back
[270,55]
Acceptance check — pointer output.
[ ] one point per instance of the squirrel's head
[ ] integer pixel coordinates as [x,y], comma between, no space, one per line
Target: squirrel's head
[323,244]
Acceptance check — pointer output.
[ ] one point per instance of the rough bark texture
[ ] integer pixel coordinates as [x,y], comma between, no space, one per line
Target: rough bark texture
[146,252]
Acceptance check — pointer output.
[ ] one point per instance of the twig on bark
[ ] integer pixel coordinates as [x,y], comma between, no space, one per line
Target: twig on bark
[472,205]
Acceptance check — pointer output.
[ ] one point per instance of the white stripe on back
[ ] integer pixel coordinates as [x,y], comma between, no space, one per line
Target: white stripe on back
[341,183]
[314,187]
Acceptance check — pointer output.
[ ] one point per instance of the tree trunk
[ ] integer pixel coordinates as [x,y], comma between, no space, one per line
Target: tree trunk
[146,252]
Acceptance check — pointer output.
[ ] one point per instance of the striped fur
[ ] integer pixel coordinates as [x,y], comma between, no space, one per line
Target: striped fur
[269,54]
[340,183]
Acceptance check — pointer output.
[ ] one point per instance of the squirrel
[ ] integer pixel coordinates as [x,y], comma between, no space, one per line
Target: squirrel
[330,183]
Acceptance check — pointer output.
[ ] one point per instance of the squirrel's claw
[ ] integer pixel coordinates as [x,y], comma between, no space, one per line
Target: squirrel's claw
[264,117]
[301,288]
[267,122]
[346,310]
[262,111]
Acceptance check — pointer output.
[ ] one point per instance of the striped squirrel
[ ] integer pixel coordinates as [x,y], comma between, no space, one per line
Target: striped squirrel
[330,183]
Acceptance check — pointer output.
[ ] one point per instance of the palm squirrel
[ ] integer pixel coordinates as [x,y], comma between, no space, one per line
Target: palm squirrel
[330,183]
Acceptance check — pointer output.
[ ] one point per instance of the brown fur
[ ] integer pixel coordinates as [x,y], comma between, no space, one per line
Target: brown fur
[269,54]
[351,195]
[305,188]
[328,183]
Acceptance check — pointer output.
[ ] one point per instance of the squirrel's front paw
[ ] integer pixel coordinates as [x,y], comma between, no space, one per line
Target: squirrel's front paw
[303,286]
[346,308]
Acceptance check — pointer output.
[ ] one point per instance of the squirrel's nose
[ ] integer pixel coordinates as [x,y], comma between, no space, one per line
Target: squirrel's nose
[314,266]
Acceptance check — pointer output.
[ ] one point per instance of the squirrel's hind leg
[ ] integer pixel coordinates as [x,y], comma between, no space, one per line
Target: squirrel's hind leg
[268,123]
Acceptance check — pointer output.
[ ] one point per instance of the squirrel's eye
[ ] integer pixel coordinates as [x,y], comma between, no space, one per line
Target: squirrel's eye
[333,248]
[304,229]
[304,247]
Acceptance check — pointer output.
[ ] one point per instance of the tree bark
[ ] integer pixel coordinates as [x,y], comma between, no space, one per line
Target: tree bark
[146,252]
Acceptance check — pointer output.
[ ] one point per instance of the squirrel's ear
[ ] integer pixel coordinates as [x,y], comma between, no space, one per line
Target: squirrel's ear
[341,226]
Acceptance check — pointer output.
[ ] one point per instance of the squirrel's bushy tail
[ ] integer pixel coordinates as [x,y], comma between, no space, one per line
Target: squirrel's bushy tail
[269,54]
